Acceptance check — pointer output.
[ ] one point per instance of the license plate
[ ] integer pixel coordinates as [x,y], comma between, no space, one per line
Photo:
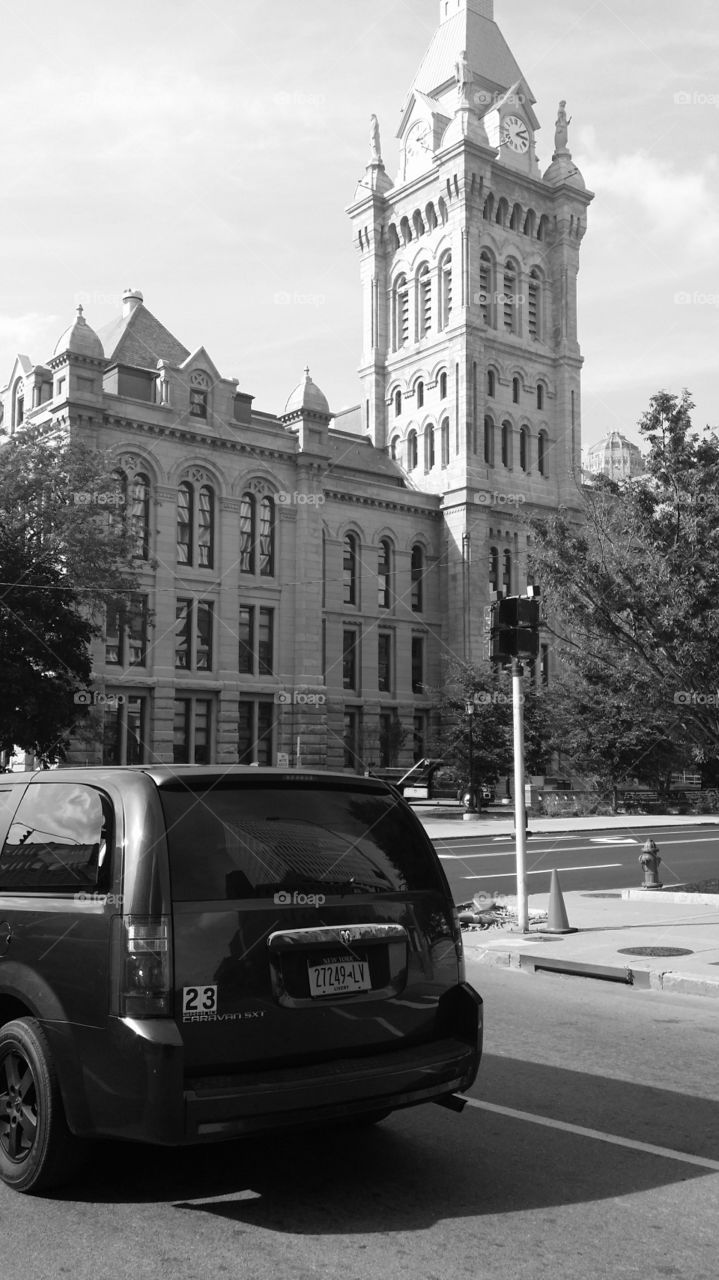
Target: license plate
[339,978]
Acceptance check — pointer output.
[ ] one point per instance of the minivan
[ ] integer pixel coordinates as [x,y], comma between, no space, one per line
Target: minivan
[192,953]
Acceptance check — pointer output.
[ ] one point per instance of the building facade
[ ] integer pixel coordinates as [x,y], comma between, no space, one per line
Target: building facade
[303,579]
[614,456]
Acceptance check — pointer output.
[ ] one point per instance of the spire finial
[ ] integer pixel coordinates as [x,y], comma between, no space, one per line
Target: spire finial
[374,139]
[561,131]
[79,311]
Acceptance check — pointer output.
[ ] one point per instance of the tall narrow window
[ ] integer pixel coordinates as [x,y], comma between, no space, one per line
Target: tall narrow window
[445,290]
[542,462]
[183,614]
[412,450]
[424,301]
[384,574]
[417,576]
[485,287]
[247,533]
[384,662]
[417,664]
[397,403]
[199,394]
[184,523]
[428,447]
[265,639]
[349,570]
[400,308]
[136,625]
[509,301]
[203,636]
[393,448]
[506,445]
[493,569]
[351,739]
[507,573]
[206,528]
[139,517]
[192,726]
[420,394]
[491,383]
[349,660]
[489,441]
[246,662]
[524,448]
[515,390]
[443,386]
[267,538]
[444,436]
[534,304]
[540,395]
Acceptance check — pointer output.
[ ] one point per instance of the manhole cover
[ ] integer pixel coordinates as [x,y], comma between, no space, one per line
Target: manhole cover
[601,895]
[654,951]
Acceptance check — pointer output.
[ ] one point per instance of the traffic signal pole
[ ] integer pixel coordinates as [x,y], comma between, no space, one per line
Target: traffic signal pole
[520,816]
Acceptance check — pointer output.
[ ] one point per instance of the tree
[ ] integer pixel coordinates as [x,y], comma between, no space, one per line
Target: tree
[59,550]
[633,594]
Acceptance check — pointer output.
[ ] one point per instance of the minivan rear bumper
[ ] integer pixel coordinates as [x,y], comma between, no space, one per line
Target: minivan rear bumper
[174,1110]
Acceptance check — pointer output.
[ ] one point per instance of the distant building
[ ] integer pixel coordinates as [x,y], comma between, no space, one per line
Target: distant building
[614,456]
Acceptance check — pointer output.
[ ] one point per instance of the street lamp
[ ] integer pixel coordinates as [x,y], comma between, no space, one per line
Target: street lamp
[470,801]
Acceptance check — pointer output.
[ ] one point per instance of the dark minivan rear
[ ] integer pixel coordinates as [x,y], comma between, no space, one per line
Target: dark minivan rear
[188,954]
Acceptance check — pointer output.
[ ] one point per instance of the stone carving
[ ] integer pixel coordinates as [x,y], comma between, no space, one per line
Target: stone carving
[199,379]
[561,132]
[375,144]
[464,79]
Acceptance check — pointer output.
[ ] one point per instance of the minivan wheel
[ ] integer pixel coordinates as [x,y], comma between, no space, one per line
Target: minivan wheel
[37,1150]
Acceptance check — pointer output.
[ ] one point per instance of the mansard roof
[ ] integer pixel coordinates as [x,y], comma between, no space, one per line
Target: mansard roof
[138,339]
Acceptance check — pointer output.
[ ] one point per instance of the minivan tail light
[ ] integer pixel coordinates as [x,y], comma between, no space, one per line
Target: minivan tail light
[142,966]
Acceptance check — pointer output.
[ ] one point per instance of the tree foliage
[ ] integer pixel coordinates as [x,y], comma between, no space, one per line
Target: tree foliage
[62,558]
[632,591]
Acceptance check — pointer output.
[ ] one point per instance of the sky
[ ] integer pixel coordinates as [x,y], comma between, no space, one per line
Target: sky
[205,151]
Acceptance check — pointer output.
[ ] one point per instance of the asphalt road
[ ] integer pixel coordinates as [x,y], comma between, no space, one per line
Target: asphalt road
[585,860]
[590,1149]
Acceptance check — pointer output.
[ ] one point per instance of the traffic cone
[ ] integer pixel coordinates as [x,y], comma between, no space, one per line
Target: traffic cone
[557,922]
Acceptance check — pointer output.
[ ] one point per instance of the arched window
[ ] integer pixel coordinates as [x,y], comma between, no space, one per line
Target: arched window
[417,223]
[485,288]
[509,301]
[18,404]
[267,538]
[349,570]
[542,459]
[529,222]
[445,290]
[424,301]
[540,395]
[400,313]
[393,447]
[139,517]
[516,219]
[493,569]
[524,448]
[431,217]
[502,213]
[488,210]
[206,528]
[428,447]
[443,211]
[534,304]
[393,238]
[199,394]
[384,574]
[507,572]
[420,394]
[412,450]
[405,230]
[491,383]
[506,444]
[515,390]
[185,514]
[397,403]
[417,576]
[489,441]
[443,386]
[543,227]
[444,432]
[248,532]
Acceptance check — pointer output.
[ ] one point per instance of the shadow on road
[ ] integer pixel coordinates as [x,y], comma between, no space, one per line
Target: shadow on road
[426,1164]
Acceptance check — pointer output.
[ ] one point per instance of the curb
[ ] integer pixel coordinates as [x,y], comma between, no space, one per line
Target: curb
[671,980]
[671,895]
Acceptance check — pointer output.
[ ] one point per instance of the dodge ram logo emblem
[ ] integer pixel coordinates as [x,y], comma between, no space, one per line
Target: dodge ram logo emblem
[346,936]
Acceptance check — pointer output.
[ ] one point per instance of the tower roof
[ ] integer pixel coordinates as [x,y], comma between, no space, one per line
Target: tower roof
[469,26]
[80,339]
[307,396]
[138,339]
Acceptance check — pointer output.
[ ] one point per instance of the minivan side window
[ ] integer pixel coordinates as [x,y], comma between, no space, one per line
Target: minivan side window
[59,839]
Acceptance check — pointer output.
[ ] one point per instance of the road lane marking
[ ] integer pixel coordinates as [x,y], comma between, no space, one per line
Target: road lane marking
[510,853]
[610,840]
[547,871]
[667,1153]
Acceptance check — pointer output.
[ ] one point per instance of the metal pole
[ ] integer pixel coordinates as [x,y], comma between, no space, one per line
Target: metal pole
[520,820]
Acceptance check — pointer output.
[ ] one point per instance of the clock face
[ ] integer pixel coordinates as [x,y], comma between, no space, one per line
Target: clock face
[418,146]
[515,134]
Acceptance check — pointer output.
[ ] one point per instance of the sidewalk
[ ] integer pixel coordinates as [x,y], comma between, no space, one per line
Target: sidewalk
[608,924]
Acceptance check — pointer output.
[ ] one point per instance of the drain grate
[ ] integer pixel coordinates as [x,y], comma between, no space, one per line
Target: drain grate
[654,951]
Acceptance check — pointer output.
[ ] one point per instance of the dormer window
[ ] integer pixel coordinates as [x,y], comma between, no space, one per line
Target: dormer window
[199,395]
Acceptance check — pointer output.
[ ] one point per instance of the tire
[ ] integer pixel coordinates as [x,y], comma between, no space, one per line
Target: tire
[37,1150]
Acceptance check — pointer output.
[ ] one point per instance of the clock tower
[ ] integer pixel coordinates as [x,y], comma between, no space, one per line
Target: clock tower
[471,363]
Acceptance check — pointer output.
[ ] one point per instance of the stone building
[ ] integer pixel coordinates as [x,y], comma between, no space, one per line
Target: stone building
[614,456]
[303,577]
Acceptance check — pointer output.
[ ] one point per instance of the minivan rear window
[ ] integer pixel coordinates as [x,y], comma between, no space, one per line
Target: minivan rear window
[258,841]
[58,840]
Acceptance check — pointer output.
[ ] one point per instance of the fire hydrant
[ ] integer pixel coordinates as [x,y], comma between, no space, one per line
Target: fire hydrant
[649,858]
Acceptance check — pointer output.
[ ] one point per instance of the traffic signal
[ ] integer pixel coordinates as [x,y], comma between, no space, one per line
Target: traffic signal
[515,628]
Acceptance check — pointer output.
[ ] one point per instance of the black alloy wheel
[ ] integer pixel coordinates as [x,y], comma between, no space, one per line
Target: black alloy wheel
[37,1149]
